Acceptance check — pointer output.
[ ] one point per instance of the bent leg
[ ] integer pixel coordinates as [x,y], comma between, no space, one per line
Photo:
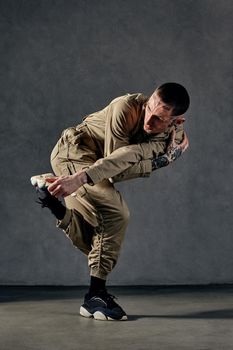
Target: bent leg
[79,221]
[77,229]
[105,216]
[113,217]
[104,206]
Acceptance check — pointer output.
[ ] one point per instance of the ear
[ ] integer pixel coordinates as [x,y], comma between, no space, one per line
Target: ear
[180,120]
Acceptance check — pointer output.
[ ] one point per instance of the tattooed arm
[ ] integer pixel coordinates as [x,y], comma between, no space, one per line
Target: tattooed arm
[173,152]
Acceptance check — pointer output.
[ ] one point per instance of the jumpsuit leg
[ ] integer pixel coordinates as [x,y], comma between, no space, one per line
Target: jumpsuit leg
[113,216]
[95,220]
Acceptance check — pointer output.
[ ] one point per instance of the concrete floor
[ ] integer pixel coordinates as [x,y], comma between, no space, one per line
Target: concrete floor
[163,318]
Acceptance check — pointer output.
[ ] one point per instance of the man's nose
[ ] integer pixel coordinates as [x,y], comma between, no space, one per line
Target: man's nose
[150,121]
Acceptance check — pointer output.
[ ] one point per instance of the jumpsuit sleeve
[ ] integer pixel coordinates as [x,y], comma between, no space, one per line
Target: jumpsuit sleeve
[141,169]
[125,157]
[119,121]
[144,167]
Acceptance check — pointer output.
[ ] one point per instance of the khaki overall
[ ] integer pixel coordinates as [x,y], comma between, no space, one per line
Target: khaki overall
[110,146]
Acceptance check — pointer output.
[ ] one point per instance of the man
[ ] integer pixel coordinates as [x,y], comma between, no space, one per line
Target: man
[129,138]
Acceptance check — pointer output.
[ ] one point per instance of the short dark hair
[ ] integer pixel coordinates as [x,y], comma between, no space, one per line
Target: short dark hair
[176,96]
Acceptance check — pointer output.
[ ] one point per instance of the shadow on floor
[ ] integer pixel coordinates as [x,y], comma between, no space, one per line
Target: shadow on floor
[212,314]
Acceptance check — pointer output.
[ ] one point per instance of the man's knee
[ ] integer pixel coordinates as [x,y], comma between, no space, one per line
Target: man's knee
[124,214]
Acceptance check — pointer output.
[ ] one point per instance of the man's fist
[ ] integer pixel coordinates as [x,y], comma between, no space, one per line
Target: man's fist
[64,186]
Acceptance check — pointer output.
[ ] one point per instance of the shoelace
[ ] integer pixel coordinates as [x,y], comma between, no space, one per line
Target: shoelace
[109,296]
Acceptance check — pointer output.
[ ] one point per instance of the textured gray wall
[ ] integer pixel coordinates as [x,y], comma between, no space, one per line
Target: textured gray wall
[63,59]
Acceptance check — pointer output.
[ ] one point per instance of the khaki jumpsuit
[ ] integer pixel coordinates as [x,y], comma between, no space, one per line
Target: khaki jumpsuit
[110,145]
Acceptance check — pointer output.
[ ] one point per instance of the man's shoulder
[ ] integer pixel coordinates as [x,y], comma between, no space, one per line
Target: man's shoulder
[130,98]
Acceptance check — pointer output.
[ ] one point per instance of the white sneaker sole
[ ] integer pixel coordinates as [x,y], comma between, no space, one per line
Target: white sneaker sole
[98,315]
[40,180]
[83,312]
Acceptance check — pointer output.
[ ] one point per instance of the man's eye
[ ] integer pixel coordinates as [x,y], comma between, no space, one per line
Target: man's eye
[160,119]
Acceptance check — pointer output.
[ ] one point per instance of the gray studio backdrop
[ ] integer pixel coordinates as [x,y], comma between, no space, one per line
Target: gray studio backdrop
[61,60]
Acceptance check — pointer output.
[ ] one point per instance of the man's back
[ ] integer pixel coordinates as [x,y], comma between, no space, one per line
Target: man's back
[123,115]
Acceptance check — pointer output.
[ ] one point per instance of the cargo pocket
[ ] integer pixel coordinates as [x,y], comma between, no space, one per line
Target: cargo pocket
[85,207]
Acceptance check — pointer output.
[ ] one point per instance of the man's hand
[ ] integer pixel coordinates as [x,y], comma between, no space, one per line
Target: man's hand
[173,152]
[63,186]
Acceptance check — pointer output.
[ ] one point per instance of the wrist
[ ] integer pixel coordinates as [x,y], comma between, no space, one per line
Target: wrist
[81,178]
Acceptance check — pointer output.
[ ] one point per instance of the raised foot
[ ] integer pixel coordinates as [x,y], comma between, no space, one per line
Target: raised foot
[40,180]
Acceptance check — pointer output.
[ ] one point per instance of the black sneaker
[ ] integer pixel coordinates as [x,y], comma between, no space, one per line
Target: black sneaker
[102,307]
[45,199]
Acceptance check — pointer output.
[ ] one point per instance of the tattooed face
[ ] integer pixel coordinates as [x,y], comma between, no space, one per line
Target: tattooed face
[158,115]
